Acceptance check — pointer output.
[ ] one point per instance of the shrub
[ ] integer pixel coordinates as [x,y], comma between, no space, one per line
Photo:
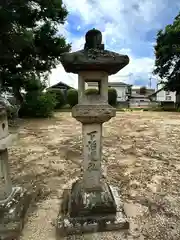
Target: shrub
[112,96]
[167,103]
[168,109]
[72,97]
[38,104]
[143,90]
[91,91]
[60,98]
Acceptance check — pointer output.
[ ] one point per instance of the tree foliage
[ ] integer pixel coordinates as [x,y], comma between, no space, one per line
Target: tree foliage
[112,96]
[29,44]
[38,105]
[91,91]
[72,97]
[143,90]
[59,95]
[167,52]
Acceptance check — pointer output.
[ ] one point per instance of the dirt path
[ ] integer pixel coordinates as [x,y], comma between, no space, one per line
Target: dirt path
[141,151]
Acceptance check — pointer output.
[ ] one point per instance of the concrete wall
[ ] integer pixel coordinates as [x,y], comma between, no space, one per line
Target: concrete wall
[139,102]
[122,93]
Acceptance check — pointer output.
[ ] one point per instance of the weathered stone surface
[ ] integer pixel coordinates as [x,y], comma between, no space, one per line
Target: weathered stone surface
[92,148]
[6,142]
[3,123]
[94,60]
[5,180]
[93,39]
[90,204]
[101,79]
[13,212]
[83,212]
[93,113]
[94,57]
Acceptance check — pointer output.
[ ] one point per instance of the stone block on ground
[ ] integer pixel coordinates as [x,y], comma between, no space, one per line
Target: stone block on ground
[13,212]
[78,215]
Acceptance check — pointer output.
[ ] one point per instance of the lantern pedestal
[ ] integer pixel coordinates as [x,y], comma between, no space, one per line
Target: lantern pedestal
[86,212]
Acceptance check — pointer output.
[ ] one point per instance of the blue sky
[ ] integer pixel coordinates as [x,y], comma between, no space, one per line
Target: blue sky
[128,27]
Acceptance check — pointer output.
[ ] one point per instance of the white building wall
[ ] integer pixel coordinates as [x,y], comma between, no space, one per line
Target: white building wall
[121,93]
[94,85]
[163,96]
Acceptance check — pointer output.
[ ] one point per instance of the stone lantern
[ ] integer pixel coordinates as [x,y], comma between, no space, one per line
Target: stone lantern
[92,204]
[14,201]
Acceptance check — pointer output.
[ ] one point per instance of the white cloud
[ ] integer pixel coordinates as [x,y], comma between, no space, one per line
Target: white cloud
[58,74]
[137,68]
[78,27]
[123,24]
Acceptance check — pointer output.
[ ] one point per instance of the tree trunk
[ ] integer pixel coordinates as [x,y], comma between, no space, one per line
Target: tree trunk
[19,101]
[17,95]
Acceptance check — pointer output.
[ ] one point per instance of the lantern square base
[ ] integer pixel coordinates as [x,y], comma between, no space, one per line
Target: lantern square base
[88,212]
[13,212]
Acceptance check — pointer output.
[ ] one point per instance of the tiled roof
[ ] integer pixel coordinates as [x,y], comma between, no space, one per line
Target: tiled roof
[60,84]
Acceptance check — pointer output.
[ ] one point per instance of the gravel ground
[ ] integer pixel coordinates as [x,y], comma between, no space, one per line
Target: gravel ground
[141,151]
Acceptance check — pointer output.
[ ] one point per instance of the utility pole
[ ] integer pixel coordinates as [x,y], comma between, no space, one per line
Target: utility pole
[150,82]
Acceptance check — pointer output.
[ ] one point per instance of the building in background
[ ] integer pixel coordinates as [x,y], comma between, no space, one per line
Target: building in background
[139,100]
[136,90]
[162,95]
[62,86]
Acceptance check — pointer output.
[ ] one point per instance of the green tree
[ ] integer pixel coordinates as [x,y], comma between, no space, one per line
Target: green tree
[72,97]
[143,90]
[59,95]
[30,44]
[112,96]
[38,104]
[167,53]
